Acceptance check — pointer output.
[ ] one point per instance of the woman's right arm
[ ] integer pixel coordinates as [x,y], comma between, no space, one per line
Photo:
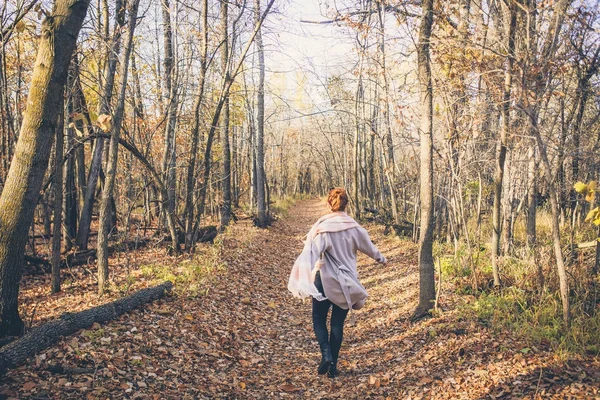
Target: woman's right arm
[321,243]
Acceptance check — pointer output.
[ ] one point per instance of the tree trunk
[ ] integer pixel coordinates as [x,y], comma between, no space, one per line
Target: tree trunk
[356,146]
[390,162]
[226,178]
[532,189]
[169,155]
[57,186]
[70,190]
[80,107]
[104,225]
[501,148]
[21,190]
[560,264]
[226,86]
[426,267]
[104,109]
[260,124]
[191,169]
[138,104]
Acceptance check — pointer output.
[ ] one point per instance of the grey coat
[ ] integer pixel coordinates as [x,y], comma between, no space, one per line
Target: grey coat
[338,266]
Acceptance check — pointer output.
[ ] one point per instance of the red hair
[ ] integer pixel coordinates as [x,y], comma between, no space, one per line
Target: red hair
[337,199]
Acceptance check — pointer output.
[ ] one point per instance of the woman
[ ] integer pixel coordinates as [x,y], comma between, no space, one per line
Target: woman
[326,271]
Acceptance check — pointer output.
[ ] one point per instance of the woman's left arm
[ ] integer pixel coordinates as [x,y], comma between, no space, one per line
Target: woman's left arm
[365,245]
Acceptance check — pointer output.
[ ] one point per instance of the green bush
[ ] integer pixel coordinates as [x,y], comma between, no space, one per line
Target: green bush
[537,320]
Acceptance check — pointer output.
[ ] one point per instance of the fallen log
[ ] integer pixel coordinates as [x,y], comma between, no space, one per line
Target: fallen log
[45,335]
[205,235]
[41,266]
[82,257]
[404,228]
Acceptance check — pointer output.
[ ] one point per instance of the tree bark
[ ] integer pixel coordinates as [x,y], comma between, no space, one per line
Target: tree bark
[191,169]
[560,264]
[21,190]
[104,225]
[70,190]
[169,155]
[501,147]
[57,186]
[260,123]
[104,109]
[226,178]
[79,107]
[390,162]
[356,144]
[426,266]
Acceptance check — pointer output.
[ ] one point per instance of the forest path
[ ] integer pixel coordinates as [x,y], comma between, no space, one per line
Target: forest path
[246,337]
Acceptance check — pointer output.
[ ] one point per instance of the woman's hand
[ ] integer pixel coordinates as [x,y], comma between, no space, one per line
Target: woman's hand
[313,274]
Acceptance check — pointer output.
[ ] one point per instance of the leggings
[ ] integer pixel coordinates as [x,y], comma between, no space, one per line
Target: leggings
[320,309]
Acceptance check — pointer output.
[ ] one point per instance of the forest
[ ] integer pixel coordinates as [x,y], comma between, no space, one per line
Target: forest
[158,156]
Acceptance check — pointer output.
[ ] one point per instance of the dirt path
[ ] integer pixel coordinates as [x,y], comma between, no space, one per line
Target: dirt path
[247,338]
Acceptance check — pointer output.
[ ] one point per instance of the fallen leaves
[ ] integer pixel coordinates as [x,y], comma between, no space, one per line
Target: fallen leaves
[289,388]
[247,338]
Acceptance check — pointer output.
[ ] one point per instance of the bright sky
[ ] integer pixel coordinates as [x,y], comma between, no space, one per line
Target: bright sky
[300,50]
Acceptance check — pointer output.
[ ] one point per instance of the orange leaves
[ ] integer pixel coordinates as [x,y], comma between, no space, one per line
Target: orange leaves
[374,381]
[104,121]
[289,388]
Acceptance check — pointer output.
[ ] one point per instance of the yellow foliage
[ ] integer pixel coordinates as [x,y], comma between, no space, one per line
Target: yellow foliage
[592,214]
[589,191]
[592,186]
[580,187]
[590,195]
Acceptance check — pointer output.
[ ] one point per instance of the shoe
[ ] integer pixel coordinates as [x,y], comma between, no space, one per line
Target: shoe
[326,359]
[333,371]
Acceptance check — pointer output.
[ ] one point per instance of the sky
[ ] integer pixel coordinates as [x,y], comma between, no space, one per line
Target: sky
[300,51]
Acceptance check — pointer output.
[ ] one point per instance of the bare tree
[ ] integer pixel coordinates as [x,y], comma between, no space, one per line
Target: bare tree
[21,190]
[426,267]
[111,171]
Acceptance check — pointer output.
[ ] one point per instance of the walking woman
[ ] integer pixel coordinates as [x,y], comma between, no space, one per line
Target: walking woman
[326,271]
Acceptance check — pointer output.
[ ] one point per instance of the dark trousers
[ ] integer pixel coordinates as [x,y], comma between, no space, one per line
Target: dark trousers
[320,309]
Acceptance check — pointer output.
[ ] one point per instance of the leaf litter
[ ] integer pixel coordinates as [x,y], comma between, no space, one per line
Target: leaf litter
[245,337]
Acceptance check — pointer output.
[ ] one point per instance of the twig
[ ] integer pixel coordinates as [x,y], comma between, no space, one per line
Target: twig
[32,315]
[537,388]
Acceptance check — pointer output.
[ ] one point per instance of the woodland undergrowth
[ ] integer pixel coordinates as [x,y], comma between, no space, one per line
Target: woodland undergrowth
[520,305]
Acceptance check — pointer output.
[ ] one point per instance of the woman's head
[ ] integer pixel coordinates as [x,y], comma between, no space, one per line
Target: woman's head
[337,199]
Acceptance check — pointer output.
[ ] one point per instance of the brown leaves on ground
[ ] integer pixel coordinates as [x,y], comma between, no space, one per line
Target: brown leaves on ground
[247,338]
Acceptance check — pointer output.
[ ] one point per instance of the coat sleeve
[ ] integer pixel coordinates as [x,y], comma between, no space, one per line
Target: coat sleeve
[321,243]
[365,245]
